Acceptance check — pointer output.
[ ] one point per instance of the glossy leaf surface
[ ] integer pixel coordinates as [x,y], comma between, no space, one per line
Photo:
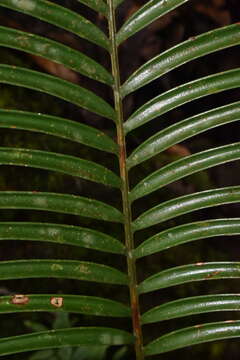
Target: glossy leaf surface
[64,337]
[186,233]
[194,335]
[65,269]
[54,51]
[151,11]
[188,273]
[90,305]
[59,127]
[61,203]
[192,306]
[183,130]
[66,164]
[59,16]
[61,234]
[184,52]
[57,87]
[97,5]
[182,94]
[185,166]
[185,204]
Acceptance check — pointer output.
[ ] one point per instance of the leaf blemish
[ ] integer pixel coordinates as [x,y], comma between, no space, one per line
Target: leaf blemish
[27,5]
[57,301]
[20,299]
[213,274]
[82,269]
[56,267]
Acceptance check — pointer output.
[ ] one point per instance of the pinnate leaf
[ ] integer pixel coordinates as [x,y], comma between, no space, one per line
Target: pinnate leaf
[61,234]
[182,94]
[194,335]
[182,130]
[186,166]
[61,17]
[54,51]
[90,305]
[188,273]
[64,337]
[192,306]
[61,203]
[151,11]
[59,127]
[54,86]
[66,164]
[186,233]
[64,269]
[182,53]
[185,204]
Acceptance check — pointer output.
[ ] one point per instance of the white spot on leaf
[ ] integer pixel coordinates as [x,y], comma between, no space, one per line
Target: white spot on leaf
[20,299]
[57,301]
[27,5]
[56,267]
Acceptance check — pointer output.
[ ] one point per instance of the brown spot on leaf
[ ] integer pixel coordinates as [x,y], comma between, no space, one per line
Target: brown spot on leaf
[20,299]
[199,263]
[57,301]
[213,274]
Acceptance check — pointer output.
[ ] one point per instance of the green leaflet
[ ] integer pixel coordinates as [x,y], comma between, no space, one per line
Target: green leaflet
[97,5]
[61,203]
[186,233]
[194,335]
[64,337]
[185,204]
[54,51]
[54,86]
[182,53]
[188,273]
[151,11]
[59,16]
[182,94]
[185,166]
[183,130]
[61,234]
[79,304]
[63,269]
[57,126]
[192,306]
[66,164]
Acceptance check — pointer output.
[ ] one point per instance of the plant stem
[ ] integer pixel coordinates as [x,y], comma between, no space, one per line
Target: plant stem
[129,239]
